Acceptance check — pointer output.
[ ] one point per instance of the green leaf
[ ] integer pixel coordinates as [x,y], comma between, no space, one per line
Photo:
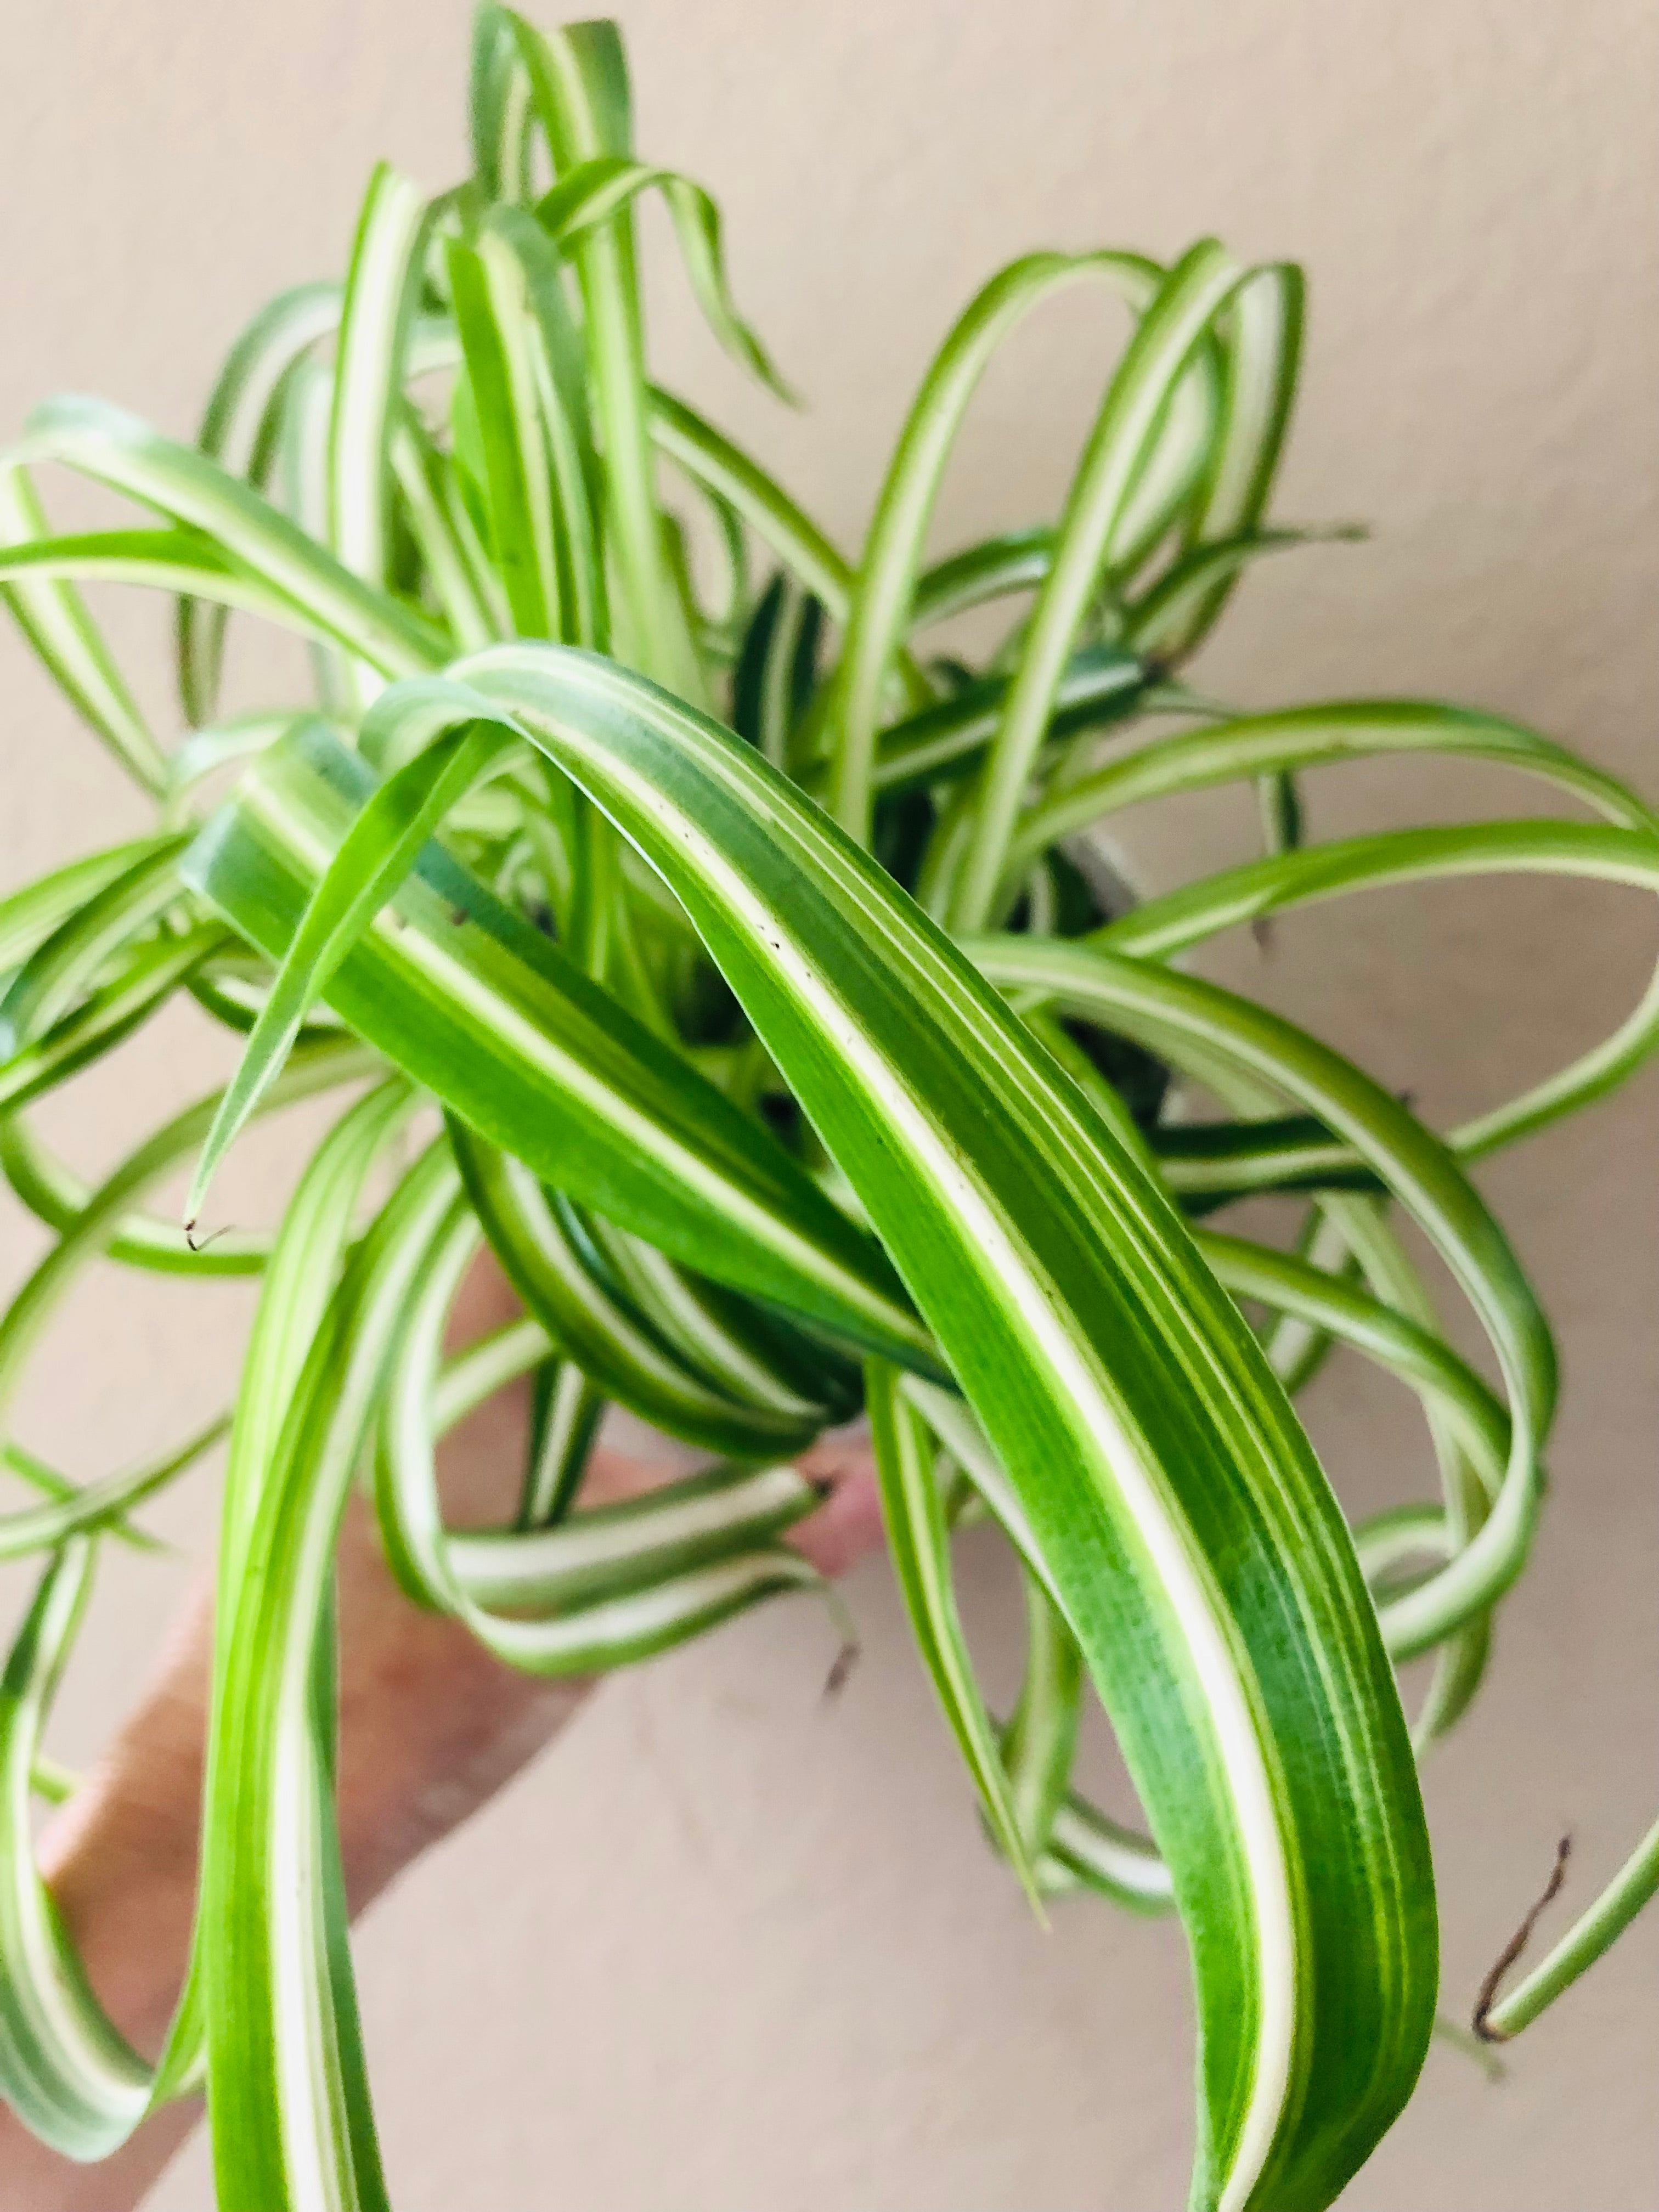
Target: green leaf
[44,1527]
[710,458]
[604,1587]
[54,619]
[577,465]
[150,977]
[498,106]
[378,849]
[1157,622]
[381,293]
[597,190]
[1102,685]
[882,601]
[1404,1346]
[64,967]
[566,1412]
[1177,1502]
[183,561]
[107,1211]
[1122,447]
[611,1550]
[1172,1013]
[579,87]
[286,2078]
[1099,1854]
[589,1322]
[481,1009]
[58,1196]
[1261,337]
[919,1544]
[31,913]
[993,570]
[65,2070]
[240,427]
[29,1468]
[1169,925]
[487,284]
[1299,737]
[720,1337]
[741,1121]
[1040,1742]
[116,449]
[435,510]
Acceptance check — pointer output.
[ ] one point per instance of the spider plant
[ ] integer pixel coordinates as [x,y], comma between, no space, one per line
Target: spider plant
[746,974]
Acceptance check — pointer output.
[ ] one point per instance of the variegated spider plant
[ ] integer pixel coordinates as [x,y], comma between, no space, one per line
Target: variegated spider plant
[793,1057]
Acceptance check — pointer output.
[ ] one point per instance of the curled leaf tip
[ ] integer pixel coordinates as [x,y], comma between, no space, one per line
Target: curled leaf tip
[841,1669]
[1482,2024]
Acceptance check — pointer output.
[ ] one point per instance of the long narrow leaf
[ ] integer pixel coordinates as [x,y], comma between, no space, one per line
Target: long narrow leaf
[284,2062]
[1145,1436]
[64,2068]
[53,617]
[590,1324]
[597,190]
[1166,1010]
[920,1547]
[240,427]
[477,1005]
[1169,925]
[115,448]
[882,601]
[1312,737]
[376,314]
[578,84]
[1124,437]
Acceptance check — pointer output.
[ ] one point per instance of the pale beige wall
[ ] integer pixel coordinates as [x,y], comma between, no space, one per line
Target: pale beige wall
[726,1948]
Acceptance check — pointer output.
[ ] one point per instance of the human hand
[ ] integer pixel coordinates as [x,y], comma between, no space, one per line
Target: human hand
[431,1726]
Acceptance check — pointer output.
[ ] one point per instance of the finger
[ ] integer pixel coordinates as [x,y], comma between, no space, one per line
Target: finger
[846,1528]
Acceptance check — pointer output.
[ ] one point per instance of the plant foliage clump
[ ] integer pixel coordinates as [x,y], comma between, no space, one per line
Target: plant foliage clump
[795,1055]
